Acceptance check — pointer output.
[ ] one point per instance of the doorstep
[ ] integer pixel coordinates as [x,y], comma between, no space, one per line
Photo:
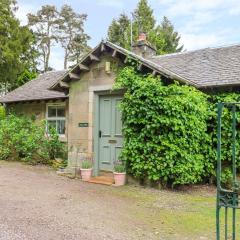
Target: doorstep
[104,180]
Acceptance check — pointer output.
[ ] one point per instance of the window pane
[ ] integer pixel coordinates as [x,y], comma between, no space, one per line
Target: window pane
[60,112]
[52,112]
[51,124]
[61,126]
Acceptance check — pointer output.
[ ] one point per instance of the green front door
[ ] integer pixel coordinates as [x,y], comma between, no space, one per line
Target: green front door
[110,131]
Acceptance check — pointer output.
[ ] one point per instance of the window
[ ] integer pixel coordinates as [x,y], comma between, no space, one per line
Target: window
[56,118]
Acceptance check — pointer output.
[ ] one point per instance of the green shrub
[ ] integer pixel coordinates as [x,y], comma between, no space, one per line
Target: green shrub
[165,130]
[226,153]
[86,164]
[55,149]
[24,140]
[226,177]
[2,112]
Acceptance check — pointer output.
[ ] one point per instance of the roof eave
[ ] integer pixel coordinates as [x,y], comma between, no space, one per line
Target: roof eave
[34,100]
[101,47]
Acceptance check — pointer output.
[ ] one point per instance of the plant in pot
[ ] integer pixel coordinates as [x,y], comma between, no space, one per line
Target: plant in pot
[119,174]
[86,170]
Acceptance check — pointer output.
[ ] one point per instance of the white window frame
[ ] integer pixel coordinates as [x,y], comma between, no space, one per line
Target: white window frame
[63,104]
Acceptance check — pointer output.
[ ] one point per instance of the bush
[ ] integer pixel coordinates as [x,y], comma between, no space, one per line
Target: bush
[165,129]
[23,140]
[2,112]
[54,147]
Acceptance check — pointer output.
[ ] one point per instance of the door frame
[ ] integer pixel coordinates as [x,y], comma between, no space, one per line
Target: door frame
[96,127]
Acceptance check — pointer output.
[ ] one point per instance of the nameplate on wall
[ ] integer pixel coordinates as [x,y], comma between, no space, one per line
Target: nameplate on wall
[83,125]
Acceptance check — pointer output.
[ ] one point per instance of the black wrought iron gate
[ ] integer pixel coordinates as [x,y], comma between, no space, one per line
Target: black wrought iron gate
[227,198]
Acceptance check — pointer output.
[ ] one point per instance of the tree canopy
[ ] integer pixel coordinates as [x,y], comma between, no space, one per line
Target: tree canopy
[65,27]
[119,31]
[161,36]
[72,36]
[17,52]
[44,24]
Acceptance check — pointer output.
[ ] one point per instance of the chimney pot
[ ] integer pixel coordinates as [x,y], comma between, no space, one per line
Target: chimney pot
[142,37]
[143,47]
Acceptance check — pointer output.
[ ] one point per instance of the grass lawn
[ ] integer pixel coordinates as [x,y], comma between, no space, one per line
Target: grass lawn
[188,214]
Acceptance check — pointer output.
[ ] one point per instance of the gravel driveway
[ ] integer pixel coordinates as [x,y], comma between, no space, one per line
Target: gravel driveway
[35,203]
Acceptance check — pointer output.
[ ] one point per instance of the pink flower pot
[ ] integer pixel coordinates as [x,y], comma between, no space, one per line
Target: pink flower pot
[86,174]
[119,178]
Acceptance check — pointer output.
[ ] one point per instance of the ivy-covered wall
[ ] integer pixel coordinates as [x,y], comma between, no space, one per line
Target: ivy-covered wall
[170,130]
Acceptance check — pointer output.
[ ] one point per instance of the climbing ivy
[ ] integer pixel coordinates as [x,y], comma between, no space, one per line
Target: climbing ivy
[226,143]
[170,130]
[165,129]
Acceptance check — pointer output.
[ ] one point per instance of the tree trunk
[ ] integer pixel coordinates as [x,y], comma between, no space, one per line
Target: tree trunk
[47,57]
[65,59]
[48,45]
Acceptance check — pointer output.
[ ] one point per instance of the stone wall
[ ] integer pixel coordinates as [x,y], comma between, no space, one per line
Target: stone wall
[36,110]
[81,109]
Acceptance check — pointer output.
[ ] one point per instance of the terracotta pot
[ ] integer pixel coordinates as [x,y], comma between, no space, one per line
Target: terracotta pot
[86,174]
[119,178]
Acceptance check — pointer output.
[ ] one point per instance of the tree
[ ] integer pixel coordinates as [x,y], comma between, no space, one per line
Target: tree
[44,25]
[17,53]
[144,19]
[72,36]
[79,47]
[24,77]
[163,37]
[169,36]
[119,31]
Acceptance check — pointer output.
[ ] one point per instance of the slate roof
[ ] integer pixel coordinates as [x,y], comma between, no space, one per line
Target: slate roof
[209,67]
[37,89]
[148,62]
[204,68]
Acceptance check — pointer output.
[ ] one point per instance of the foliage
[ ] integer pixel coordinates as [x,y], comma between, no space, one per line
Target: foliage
[165,129]
[59,163]
[2,112]
[226,154]
[72,37]
[161,36]
[54,147]
[119,31]
[171,130]
[44,25]
[23,140]
[86,164]
[226,176]
[226,130]
[17,51]
[144,20]
[24,77]
[79,48]
[165,38]
[119,167]
[65,27]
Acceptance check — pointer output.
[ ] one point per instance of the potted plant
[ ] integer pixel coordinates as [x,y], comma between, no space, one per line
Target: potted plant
[119,174]
[86,170]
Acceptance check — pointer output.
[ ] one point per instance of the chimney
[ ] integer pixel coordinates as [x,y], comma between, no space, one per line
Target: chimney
[143,47]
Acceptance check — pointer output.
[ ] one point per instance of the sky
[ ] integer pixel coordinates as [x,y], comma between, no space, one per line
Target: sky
[201,23]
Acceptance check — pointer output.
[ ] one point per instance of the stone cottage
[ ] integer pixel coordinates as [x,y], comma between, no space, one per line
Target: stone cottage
[82,107]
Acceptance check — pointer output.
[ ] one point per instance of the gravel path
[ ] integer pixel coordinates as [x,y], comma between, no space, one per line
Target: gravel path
[35,203]
[7,234]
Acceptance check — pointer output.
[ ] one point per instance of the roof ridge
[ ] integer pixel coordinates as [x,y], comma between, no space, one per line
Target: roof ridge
[196,50]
